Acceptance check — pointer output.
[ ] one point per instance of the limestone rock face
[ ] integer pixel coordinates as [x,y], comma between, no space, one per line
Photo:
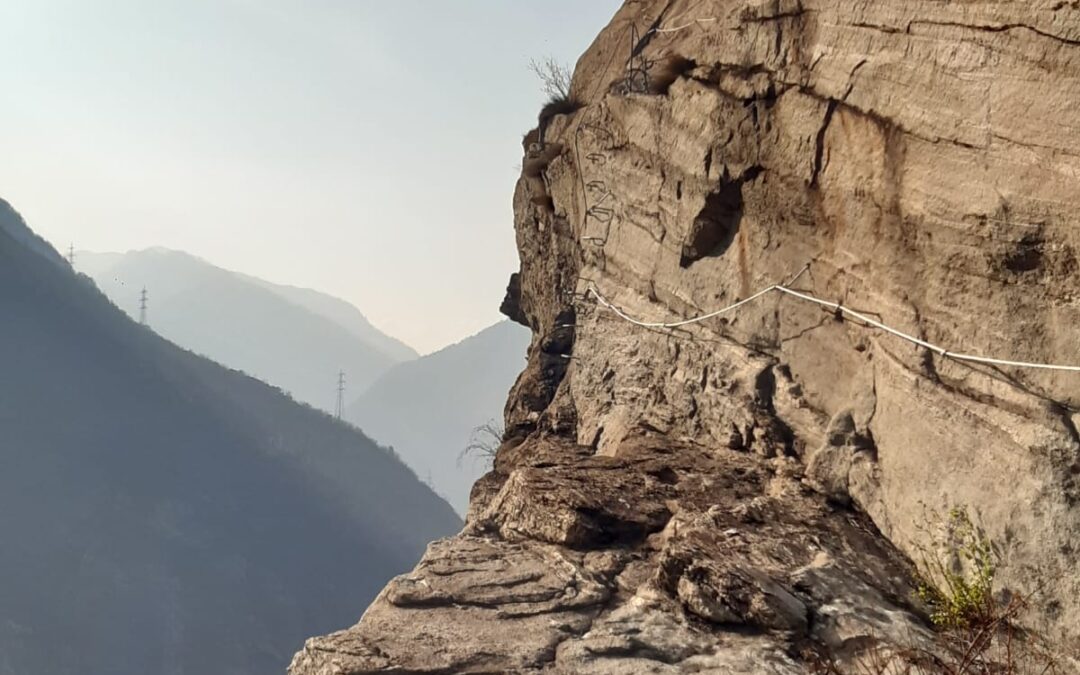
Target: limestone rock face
[738,494]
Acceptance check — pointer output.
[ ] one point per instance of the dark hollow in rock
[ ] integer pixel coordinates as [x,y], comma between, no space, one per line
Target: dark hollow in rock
[545,202]
[666,476]
[715,227]
[668,71]
[560,341]
[1027,256]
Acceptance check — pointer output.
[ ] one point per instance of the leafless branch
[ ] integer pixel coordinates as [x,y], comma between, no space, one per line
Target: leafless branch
[555,77]
[483,443]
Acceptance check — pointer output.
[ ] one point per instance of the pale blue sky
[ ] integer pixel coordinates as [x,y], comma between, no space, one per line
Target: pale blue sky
[367,149]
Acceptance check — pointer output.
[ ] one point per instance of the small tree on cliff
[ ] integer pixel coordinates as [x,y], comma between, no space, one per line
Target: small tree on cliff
[554,77]
[484,442]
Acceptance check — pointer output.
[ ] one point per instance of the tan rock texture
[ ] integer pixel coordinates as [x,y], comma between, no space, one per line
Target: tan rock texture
[737,494]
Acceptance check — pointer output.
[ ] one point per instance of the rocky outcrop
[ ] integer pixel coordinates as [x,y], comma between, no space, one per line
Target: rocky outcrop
[666,556]
[739,494]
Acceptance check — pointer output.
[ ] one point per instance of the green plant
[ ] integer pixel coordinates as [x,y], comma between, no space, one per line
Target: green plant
[976,632]
[958,574]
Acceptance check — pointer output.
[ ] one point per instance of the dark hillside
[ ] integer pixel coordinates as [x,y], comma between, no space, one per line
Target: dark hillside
[161,514]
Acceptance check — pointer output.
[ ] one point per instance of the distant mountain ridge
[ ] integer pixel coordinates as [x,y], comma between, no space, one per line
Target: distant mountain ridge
[427,408]
[294,338]
[343,314]
[163,514]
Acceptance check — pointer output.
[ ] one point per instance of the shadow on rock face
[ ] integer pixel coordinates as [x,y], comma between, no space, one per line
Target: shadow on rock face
[715,227]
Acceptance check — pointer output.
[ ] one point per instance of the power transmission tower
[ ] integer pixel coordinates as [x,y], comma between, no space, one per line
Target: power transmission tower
[142,306]
[340,409]
[71,255]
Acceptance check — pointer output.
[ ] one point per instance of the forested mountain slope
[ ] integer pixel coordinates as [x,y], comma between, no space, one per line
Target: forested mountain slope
[162,514]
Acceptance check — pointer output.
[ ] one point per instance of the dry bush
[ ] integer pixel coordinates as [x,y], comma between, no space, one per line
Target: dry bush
[555,80]
[554,77]
[484,442]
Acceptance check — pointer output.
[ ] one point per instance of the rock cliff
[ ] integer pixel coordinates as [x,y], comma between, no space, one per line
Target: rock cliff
[745,493]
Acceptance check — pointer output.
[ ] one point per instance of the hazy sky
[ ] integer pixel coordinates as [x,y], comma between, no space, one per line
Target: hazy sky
[367,149]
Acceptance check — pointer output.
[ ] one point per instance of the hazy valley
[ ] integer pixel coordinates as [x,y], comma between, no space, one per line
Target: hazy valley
[300,340]
[165,513]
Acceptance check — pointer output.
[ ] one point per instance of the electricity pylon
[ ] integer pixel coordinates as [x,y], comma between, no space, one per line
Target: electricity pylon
[142,306]
[340,409]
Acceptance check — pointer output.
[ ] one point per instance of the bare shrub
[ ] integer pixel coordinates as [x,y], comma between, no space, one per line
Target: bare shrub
[554,77]
[484,442]
[555,80]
